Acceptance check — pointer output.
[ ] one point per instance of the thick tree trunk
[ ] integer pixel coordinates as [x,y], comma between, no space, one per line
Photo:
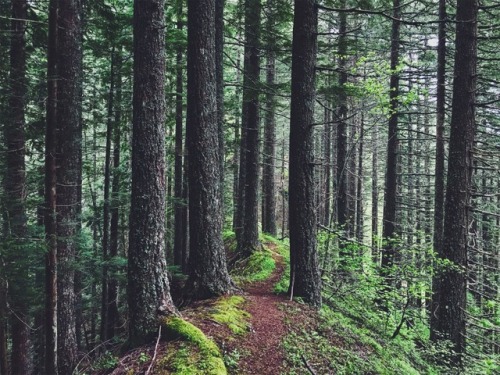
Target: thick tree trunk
[305,278]
[450,309]
[219,77]
[391,180]
[249,239]
[268,169]
[180,204]
[208,275]
[15,225]
[148,286]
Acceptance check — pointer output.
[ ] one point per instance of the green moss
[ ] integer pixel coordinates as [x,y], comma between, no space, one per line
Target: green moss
[229,311]
[199,355]
[258,267]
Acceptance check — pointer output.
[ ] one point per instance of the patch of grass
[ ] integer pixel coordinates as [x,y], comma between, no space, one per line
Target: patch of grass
[229,311]
[199,355]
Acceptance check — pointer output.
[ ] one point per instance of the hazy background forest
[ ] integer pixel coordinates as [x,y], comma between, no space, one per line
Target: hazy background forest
[369,144]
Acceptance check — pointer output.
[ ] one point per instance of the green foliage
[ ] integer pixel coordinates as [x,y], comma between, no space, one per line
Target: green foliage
[107,361]
[229,311]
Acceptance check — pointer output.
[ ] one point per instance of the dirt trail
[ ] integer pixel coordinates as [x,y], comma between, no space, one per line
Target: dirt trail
[263,343]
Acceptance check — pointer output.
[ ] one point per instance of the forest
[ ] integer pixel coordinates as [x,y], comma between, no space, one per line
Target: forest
[249,187]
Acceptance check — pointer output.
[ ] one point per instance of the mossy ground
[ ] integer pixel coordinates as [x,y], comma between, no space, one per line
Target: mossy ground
[197,355]
[230,312]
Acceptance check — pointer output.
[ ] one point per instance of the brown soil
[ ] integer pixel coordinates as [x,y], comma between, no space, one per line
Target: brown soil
[263,344]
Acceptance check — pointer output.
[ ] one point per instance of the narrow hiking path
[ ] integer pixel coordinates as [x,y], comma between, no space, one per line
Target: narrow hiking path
[262,346]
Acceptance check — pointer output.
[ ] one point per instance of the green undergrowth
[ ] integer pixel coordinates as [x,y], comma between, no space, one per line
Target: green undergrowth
[283,248]
[331,342]
[260,265]
[196,354]
[230,312]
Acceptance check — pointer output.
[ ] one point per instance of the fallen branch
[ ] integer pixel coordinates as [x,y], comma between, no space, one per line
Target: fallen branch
[311,370]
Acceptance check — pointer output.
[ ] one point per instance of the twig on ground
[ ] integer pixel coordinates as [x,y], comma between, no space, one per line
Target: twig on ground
[311,370]
[155,353]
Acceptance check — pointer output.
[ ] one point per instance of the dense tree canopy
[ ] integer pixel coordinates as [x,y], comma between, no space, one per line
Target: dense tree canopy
[137,135]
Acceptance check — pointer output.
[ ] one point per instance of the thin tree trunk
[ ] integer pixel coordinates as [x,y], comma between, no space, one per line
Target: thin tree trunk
[50,199]
[439,164]
[391,179]
[106,210]
[268,169]
[375,198]
[249,239]
[342,167]
[69,175]
[113,314]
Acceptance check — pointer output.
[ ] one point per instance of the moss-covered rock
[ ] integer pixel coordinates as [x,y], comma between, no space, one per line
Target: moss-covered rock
[198,355]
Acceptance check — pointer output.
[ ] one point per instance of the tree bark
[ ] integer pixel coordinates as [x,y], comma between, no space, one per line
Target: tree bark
[450,323]
[391,180]
[50,219]
[113,315]
[305,279]
[69,174]
[208,275]
[342,161]
[269,159]
[15,223]
[440,157]
[106,209]
[180,204]
[249,158]
[148,286]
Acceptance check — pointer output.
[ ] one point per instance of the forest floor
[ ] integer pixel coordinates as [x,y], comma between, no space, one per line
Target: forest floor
[263,343]
[259,331]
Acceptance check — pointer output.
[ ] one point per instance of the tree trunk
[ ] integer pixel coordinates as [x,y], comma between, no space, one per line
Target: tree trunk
[391,180]
[450,323]
[268,169]
[106,209]
[208,275]
[50,219]
[375,196]
[179,205]
[148,286]
[113,314]
[249,239]
[342,167]
[440,155]
[15,224]
[305,279]
[69,175]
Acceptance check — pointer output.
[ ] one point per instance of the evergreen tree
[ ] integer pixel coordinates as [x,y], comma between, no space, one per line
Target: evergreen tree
[148,286]
[304,279]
